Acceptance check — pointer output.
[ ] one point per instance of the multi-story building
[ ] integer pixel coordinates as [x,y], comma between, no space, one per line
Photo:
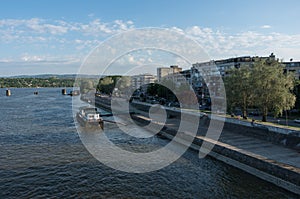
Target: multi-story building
[165,71]
[141,81]
[208,74]
[293,67]
[179,78]
[219,67]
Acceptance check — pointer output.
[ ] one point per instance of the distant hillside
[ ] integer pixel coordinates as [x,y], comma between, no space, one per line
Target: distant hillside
[46,80]
[32,82]
[64,76]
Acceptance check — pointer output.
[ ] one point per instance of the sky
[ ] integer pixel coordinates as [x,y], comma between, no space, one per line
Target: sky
[55,37]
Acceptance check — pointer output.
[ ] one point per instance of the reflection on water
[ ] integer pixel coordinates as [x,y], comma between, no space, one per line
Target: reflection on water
[41,155]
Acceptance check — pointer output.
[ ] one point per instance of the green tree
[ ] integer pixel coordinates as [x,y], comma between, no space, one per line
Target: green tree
[239,89]
[272,87]
[86,86]
[152,89]
[106,85]
[124,85]
[165,90]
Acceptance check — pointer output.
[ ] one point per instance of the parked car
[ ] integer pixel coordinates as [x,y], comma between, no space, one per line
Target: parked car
[174,104]
[297,120]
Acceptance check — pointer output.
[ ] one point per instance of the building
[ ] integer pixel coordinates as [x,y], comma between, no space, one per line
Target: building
[219,67]
[165,71]
[292,67]
[142,80]
[208,74]
[295,68]
[179,78]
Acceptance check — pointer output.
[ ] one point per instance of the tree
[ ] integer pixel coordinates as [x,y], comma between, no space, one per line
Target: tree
[124,85]
[166,89]
[272,88]
[86,86]
[106,85]
[239,89]
[152,89]
[264,85]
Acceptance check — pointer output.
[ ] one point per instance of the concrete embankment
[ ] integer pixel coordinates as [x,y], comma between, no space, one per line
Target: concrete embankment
[255,150]
[278,173]
[103,102]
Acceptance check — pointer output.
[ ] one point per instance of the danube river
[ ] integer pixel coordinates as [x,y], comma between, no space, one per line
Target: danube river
[41,155]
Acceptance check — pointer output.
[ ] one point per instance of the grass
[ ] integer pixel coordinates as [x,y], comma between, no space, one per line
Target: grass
[267,123]
[249,119]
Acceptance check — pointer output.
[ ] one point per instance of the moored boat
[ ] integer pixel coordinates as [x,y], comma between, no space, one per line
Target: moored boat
[74,93]
[89,117]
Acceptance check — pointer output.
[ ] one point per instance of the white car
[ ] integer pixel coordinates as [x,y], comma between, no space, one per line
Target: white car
[297,120]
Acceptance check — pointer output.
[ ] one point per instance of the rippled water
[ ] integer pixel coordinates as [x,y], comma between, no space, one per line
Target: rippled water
[41,155]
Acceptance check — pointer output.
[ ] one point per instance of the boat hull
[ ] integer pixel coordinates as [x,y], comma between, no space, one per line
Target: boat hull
[89,124]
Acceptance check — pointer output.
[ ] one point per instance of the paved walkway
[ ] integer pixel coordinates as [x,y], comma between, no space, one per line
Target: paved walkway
[262,148]
[266,149]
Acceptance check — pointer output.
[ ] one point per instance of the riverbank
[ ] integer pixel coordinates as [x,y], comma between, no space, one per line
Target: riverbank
[42,156]
[270,162]
[254,150]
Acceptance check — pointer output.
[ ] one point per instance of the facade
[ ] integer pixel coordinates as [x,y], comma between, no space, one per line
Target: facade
[219,67]
[180,78]
[206,76]
[165,71]
[293,67]
[141,81]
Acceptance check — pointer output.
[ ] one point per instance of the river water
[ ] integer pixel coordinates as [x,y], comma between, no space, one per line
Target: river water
[41,155]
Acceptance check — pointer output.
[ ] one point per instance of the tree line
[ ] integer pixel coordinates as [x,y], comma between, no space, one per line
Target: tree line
[264,86]
[36,82]
[107,84]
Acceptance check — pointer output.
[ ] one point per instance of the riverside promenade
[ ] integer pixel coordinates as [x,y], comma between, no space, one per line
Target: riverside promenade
[255,154]
[253,150]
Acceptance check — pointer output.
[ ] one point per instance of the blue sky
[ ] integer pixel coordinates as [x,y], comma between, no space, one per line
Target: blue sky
[55,36]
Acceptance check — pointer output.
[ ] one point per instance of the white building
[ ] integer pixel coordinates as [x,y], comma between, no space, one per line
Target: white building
[167,71]
[137,81]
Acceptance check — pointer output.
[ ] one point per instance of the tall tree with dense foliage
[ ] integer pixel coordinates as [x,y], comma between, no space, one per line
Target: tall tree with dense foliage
[264,85]
[106,85]
[239,89]
[272,88]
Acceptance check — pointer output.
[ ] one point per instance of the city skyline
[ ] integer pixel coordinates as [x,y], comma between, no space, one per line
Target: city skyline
[55,37]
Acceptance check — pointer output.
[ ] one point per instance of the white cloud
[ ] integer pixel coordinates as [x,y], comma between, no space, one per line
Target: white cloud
[34,58]
[34,25]
[265,27]
[99,28]
[28,59]
[78,38]
[223,45]
[12,29]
